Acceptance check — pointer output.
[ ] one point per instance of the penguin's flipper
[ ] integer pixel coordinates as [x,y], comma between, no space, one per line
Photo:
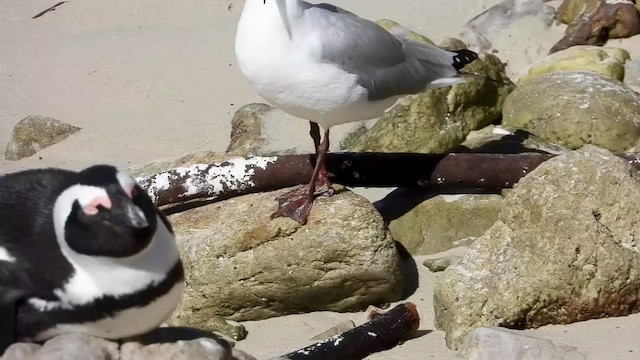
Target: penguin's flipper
[9,298]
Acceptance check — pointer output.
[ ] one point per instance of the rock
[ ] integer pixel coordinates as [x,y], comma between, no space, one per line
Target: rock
[242,265]
[439,221]
[571,10]
[229,328]
[160,344]
[573,108]
[604,60]
[246,129]
[498,17]
[198,349]
[399,30]
[563,250]
[490,343]
[76,346]
[257,130]
[496,140]
[436,120]
[441,261]
[452,44]
[20,351]
[593,22]
[632,74]
[35,133]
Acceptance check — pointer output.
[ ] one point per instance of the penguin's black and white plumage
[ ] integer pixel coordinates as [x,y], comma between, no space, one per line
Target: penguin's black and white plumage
[83,251]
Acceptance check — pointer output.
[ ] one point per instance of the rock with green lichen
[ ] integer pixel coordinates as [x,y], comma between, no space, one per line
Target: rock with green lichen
[397,29]
[35,133]
[436,224]
[574,108]
[436,120]
[242,265]
[562,250]
[604,60]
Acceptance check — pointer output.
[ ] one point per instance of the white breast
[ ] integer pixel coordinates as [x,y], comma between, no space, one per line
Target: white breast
[287,72]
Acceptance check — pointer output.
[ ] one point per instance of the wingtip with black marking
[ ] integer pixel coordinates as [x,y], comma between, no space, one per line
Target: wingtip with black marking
[463,58]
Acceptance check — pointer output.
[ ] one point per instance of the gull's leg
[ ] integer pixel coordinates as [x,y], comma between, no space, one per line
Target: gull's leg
[315,135]
[323,185]
[296,204]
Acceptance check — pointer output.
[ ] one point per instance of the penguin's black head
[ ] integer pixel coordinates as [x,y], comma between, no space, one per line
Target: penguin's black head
[105,213]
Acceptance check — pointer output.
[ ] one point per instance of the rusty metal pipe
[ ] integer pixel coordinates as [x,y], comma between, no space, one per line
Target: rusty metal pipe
[442,172]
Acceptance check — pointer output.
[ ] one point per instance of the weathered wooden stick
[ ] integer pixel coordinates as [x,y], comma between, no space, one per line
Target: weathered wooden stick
[48,10]
[445,172]
[383,332]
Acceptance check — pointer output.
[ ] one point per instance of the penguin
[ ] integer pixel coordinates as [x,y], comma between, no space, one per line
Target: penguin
[86,252]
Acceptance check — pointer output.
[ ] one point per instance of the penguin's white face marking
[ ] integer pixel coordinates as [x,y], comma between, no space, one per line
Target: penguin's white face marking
[97,276]
[89,198]
[127,183]
[5,256]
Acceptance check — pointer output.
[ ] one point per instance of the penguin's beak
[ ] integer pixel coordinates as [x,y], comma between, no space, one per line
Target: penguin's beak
[129,214]
[135,216]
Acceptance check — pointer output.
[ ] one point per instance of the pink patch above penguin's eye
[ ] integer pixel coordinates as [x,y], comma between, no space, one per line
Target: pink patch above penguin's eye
[92,207]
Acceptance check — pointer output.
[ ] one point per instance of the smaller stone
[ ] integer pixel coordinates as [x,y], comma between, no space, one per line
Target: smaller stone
[574,108]
[77,346]
[453,44]
[571,10]
[35,133]
[607,61]
[399,30]
[491,343]
[441,261]
[336,330]
[197,349]
[434,224]
[594,22]
[497,140]
[20,351]
[230,328]
[247,124]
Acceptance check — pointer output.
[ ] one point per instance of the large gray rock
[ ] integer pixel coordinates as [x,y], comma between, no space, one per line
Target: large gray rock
[434,121]
[492,343]
[573,108]
[242,265]
[563,250]
[437,223]
[35,133]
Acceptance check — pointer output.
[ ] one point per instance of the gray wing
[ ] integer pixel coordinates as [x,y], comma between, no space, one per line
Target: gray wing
[386,65]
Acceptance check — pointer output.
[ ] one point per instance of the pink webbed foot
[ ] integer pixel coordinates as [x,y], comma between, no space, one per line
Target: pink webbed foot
[295,204]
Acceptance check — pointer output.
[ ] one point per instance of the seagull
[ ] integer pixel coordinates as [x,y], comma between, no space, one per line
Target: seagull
[327,65]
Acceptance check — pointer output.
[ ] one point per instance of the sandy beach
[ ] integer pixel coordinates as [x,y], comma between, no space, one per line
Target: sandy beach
[148,79]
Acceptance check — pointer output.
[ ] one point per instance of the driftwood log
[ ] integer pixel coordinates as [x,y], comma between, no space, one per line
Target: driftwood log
[444,172]
[383,332]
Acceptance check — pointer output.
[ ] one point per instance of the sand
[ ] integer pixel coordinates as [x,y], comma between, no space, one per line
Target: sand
[147,79]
